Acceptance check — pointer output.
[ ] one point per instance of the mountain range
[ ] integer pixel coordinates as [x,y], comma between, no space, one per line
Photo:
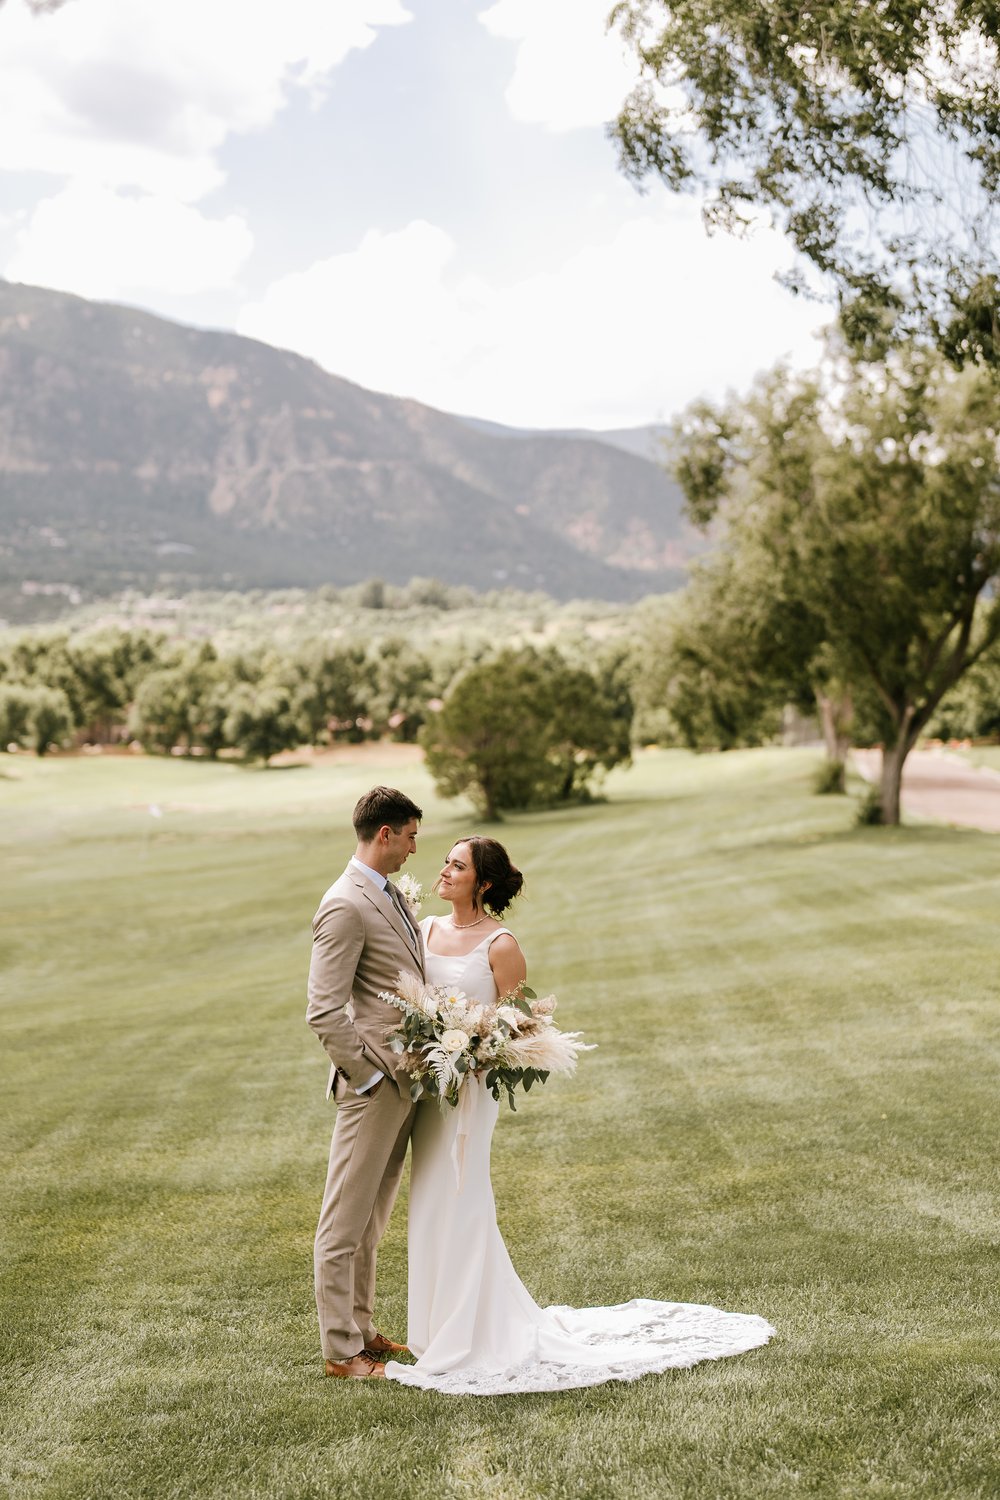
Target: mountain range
[139,453]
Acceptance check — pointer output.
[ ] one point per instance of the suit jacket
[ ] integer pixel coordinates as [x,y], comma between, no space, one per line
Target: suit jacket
[360,943]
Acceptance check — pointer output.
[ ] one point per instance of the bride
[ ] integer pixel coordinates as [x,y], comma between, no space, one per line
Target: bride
[472,1324]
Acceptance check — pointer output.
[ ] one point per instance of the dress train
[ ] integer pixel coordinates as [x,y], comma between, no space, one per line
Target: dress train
[472,1323]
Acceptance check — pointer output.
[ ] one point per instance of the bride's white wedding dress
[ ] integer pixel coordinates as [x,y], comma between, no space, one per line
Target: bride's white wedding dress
[472,1324]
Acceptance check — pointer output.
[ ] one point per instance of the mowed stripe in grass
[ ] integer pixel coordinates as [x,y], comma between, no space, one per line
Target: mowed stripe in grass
[791,1112]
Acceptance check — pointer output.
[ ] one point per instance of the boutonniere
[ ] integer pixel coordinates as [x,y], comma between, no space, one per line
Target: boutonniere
[412,892]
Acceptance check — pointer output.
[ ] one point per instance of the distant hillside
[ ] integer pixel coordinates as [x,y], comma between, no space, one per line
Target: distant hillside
[138,453]
[645,442]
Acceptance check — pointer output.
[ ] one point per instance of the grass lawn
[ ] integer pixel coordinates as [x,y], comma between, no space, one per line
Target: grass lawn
[984,755]
[792,1112]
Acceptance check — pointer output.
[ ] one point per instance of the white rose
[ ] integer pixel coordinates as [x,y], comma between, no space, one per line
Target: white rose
[454,1041]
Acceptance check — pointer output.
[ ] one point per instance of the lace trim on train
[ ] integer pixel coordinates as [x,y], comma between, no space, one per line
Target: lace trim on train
[675,1338]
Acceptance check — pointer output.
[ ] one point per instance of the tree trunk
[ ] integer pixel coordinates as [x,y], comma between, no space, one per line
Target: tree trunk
[487,800]
[836,715]
[893,760]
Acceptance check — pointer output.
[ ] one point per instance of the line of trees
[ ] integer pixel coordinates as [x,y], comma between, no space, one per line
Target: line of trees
[111,686]
[847,581]
[518,727]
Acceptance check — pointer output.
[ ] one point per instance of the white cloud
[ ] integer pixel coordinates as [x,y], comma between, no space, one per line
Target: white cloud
[570,71]
[143,94]
[623,332]
[385,311]
[98,243]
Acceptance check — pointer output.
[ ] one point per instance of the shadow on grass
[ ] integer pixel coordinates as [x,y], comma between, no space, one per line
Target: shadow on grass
[256,767]
[905,835]
[558,812]
[600,1395]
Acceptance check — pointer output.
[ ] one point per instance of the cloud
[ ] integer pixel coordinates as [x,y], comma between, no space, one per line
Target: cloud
[386,311]
[569,70]
[98,243]
[144,94]
[622,332]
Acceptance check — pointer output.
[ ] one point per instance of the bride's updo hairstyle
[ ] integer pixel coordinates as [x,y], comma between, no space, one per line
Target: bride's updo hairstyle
[497,880]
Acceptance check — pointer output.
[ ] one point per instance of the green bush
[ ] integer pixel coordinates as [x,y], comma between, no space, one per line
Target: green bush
[869,813]
[830,777]
[526,729]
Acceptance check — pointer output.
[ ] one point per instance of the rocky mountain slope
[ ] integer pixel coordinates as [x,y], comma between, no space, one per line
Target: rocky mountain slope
[136,452]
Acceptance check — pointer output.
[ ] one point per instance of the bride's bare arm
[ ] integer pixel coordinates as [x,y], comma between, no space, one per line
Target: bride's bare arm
[507,963]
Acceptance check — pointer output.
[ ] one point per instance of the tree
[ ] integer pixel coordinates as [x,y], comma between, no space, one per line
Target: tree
[590,722]
[33,714]
[401,687]
[101,674]
[870,134]
[15,714]
[713,667]
[522,730]
[875,501]
[333,692]
[262,720]
[43,658]
[182,703]
[737,652]
[50,718]
[972,709]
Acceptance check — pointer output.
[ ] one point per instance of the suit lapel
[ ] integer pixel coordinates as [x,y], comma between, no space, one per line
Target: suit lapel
[385,906]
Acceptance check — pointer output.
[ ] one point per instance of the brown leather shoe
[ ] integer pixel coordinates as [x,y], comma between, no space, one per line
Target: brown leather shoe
[361,1366]
[381,1346]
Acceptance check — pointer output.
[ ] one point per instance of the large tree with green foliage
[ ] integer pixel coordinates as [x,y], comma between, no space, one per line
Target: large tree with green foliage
[524,729]
[871,501]
[262,720]
[972,709]
[869,134]
[721,666]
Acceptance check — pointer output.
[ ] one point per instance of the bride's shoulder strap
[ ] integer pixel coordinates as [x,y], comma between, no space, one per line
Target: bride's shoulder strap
[500,932]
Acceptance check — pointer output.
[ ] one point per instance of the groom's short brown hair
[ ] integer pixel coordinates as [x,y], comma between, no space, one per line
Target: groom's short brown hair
[382,805]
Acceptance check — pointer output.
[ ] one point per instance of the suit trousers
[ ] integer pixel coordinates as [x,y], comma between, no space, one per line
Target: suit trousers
[366,1163]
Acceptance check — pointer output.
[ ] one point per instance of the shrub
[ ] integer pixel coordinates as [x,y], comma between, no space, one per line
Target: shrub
[830,777]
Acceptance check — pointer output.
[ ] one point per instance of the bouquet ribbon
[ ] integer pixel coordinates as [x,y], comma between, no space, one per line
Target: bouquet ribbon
[463,1126]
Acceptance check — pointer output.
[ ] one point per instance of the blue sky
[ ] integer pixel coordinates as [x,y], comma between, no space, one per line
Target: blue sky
[419,194]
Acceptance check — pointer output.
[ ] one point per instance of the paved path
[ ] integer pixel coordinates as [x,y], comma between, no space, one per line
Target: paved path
[938,784]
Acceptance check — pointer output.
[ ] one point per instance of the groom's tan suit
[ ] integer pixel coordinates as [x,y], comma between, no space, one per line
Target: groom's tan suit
[361,940]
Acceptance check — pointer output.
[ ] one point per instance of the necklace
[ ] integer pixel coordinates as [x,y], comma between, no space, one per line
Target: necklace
[462,925]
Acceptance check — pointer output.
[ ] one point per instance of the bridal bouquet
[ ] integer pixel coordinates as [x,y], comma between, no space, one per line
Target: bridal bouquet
[446,1038]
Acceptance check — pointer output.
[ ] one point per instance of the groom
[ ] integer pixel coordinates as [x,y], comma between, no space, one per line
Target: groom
[362,936]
